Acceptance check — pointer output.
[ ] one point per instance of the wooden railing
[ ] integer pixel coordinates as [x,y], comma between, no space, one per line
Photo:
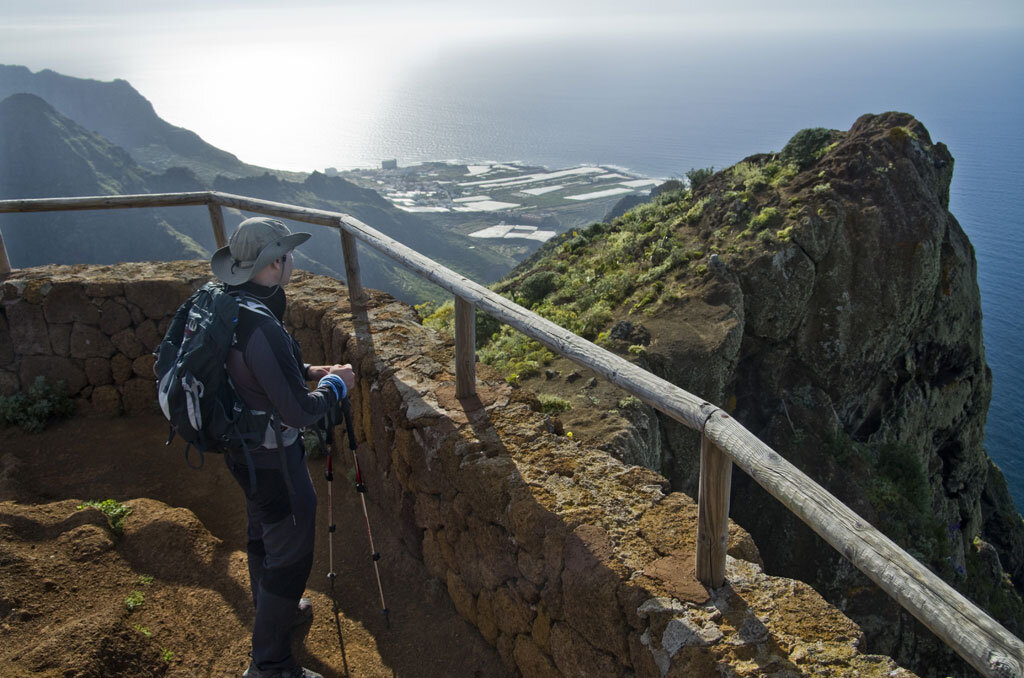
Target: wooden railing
[975,636]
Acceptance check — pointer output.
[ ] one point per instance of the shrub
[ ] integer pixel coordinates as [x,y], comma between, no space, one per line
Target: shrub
[486,327]
[594,319]
[630,402]
[443,318]
[769,217]
[311,443]
[803,147]
[671,191]
[822,152]
[552,404]
[698,176]
[134,601]
[751,175]
[785,174]
[615,287]
[698,208]
[425,310]
[515,355]
[114,510]
[32,411]
[538,286]
[900,465]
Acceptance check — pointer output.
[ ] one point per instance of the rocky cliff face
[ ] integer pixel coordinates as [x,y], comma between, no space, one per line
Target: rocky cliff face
[862,360]
[826,296]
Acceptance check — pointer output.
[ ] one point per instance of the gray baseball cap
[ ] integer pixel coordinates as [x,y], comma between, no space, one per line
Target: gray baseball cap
[254,244]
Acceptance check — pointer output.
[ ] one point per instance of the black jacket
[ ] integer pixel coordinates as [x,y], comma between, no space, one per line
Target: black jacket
[265,364]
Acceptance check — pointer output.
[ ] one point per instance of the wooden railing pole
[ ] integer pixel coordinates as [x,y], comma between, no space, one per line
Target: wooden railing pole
[465,348]
[356,295]
[5,263]
[217,221]
[712,514]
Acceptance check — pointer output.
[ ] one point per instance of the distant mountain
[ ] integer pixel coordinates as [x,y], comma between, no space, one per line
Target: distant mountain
[43,154]
[50,149]
[119,113]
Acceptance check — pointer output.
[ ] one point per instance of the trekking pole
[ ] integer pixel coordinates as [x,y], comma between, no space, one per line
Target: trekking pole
[327,442]
[346,411]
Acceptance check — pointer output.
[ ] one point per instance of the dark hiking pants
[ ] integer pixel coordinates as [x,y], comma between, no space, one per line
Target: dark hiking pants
[280,546]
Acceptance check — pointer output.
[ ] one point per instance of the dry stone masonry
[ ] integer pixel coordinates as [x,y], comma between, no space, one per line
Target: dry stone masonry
[569,561]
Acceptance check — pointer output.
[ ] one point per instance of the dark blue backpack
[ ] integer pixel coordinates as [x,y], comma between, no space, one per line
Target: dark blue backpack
[193,387]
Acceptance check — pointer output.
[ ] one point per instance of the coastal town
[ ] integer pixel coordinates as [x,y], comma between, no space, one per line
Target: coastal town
[503,200]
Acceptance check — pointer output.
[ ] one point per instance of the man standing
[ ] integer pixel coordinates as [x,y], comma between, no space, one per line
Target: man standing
[266,370]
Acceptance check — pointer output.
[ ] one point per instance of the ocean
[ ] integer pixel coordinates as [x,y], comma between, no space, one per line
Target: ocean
[660,107]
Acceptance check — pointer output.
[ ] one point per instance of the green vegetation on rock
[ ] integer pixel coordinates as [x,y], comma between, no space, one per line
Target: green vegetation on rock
[115,511]
[552,404]
[698,175]
[643,262]
[32,411]
[134,601]
[893,478]
[809,145]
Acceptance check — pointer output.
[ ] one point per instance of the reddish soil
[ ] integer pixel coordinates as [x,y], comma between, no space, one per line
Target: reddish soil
[64,576]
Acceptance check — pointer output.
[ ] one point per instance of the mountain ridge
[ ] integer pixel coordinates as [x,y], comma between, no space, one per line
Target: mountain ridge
[117,111]
[46,153]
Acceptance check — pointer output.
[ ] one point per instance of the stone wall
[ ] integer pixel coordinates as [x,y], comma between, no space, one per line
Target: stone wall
[570,562]
[92,327]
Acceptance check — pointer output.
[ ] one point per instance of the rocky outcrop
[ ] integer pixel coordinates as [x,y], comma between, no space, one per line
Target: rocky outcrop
[567,560]
[851,342]
[826,298]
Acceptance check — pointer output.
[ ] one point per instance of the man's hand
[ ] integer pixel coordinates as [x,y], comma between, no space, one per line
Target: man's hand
[343,371]
[317,372]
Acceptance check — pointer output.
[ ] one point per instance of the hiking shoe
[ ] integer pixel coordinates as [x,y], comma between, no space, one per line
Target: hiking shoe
[293,672]
[303,613]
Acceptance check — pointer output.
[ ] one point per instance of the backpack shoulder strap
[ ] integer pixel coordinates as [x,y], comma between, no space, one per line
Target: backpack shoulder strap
[254,305]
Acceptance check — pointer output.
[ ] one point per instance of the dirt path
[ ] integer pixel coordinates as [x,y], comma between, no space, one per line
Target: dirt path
[63,580]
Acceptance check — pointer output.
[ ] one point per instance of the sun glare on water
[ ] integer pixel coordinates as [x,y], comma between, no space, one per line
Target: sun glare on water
[270,98]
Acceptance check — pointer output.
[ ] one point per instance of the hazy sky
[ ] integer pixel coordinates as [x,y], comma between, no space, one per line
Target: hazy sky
[196,60]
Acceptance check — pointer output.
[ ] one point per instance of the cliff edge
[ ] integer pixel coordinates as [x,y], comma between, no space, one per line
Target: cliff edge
[826,297]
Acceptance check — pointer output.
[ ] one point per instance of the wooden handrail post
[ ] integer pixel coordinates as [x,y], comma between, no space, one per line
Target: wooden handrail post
[5,263]
[465,348]
[356,295]
[217,221]
[712,513]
